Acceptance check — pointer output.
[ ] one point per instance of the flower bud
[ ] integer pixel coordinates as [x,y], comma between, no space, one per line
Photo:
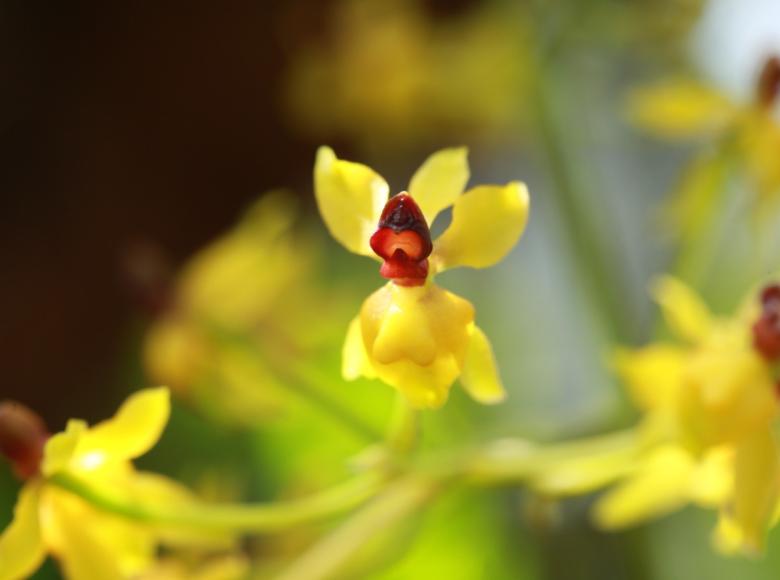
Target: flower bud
[769,82]
[23,435]
[766,330]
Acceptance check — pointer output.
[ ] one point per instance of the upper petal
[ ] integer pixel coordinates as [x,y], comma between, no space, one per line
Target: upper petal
[680,108]
[350,197]
[21,546]
[440,180]
[480,375]
[134,429]
[486,223]
[684,311]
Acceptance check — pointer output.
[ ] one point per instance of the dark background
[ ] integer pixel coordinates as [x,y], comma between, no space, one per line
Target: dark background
[123,122]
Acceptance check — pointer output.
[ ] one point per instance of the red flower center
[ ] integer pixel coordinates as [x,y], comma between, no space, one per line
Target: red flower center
[403,241]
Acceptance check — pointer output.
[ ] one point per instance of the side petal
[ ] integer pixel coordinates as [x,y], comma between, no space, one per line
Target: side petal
[21,546]
[354,361]
[134,429]
[480,375]
[486,223]
[684,311]
[756,479]
[659,487]
[439,181]
[679,109]
[350,197]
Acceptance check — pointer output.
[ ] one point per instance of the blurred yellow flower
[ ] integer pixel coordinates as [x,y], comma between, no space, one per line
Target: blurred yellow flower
[92,544]
[412,334]
[679,109]
[436,73]
[710,401]
[241,308]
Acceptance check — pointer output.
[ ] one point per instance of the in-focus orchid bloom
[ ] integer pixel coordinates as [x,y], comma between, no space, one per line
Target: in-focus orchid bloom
[412,334]
[710,401]
[90,544]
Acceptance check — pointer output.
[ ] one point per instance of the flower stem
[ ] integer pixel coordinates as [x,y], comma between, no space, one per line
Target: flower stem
[268,517]
[404,427]
[330,555]
[299,380]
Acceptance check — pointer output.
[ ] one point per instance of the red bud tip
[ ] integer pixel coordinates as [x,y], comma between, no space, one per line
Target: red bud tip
[23,435]
[768,85]
[766,330]
[403,241]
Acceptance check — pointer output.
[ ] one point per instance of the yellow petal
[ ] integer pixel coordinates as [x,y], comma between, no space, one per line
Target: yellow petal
[21,546]
[756,483]
[679,108]
[486,223]
[80,550]
[684,311]
[350,197]
[439,181]
[355,362]
[416,339]
[61,447]
[134,430]
[654,374]
[480,375]
[660,486]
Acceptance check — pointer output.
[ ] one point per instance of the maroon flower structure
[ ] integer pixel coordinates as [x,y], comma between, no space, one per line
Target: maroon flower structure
[766,330]
[403,241]
[769,82]
[23,435]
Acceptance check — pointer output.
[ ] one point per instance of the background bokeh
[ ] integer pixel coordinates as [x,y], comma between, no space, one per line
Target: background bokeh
[153,125]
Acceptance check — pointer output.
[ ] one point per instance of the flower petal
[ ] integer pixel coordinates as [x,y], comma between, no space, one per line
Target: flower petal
[757,475]
[480,375]
[679,109]
[350,197]
[486,223]
[440,181]
[654,374]
[134,429]
[21,546]
[685,312]
[660,486]
[355,362]
[61,447]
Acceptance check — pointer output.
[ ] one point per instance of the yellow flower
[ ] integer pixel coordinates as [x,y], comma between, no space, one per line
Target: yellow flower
[412,334]
[92,544]
[239,306]
[710,403]
[683,109]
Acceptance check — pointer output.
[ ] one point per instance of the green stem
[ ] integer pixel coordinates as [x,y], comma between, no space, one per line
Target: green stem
[300,381]
[404,427]
[269,517]
[330,555]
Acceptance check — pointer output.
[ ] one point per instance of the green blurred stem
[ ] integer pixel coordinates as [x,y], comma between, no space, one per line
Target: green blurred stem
[517,461]
[330,555]
[267,517]
[300,379]
[404,427]
[588,259]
